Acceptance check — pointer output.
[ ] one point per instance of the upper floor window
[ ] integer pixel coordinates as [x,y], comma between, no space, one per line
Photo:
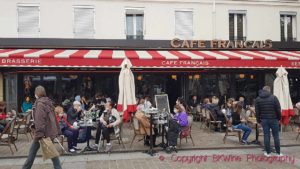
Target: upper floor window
[134,24]
[28,20]
[237,25]
[288,26]
[184,24]
[84,21]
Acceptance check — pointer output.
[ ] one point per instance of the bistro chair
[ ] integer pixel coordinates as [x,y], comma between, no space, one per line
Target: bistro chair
[213,121]
[118,136]
[230,131]
[187,132]
[137,126]
[23,126]
[6,137]
[203,118]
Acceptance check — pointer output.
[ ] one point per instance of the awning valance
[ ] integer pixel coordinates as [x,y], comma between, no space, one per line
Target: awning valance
[148,58]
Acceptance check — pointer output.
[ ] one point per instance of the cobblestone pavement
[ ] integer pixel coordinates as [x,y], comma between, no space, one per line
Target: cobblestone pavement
[193,159]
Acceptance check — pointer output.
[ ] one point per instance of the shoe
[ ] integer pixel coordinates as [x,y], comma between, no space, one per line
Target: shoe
[245,142]
[76,148]
[108,148]
[72,150]
[279,154]
[95,146]
[267,155]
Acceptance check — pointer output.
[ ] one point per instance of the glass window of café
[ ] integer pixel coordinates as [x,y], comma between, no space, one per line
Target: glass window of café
[65,86]
[220,84]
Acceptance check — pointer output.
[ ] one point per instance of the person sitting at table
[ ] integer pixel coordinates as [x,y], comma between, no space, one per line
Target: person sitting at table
[181,103]
[238,124]
[109,121]
[67,129]
[141,105]
[3,116]
[229,108]
[176,125]
[205,103]
[216,112]
[74,112]
[26,105]
[181,116]
[145,122]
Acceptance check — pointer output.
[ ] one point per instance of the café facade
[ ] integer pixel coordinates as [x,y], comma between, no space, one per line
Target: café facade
[67,67]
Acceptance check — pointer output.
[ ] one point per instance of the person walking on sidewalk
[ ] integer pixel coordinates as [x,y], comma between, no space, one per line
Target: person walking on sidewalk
[44,126]
[268,114]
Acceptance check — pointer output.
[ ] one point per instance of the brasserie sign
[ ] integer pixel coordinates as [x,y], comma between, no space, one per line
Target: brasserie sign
[223,44]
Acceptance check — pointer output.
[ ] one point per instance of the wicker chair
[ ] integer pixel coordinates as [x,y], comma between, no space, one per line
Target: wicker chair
[231,132]
[6,137]
[136,128]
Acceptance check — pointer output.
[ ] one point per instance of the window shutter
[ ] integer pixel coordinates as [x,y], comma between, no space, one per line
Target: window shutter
[28,21]
[84,22]
[184,24]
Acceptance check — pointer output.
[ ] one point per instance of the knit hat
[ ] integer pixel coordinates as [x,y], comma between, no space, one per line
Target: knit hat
[76,103]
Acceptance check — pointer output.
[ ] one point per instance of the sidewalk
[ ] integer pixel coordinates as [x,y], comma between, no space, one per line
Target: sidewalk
[181,160]
[203,140]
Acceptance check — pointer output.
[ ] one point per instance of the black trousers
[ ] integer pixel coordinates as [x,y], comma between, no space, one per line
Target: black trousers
[105,133]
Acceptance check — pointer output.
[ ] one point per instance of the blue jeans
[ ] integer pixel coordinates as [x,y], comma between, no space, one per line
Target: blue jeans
[72,135]
[247,130]
[272,124]
[35,146]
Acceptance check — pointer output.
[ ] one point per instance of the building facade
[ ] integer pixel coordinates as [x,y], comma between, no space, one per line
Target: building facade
[65,34]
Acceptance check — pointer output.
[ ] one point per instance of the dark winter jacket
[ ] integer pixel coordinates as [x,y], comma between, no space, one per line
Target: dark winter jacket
[267,106]
[45,123]
[215,110]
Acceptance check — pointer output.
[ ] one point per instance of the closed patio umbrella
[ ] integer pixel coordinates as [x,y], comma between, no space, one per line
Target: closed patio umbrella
[126,99]
[282,91]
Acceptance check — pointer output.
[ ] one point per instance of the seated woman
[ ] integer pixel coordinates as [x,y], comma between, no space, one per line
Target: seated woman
[145,129]
[177,124]
[26,105]
[109,122]
[67,129]
[181,116]
[141,105]
[237,124]
[181,103]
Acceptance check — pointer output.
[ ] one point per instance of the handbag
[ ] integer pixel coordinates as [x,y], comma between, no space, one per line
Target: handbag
[48,148]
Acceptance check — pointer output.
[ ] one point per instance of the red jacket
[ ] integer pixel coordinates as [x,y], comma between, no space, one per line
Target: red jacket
[64,119]
[3,116]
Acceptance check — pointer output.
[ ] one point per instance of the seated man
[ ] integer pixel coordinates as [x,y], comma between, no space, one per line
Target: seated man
[74,112]
[67,129]
[109,121]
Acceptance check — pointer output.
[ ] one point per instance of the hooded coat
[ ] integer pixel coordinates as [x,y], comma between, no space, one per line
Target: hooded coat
[45,123]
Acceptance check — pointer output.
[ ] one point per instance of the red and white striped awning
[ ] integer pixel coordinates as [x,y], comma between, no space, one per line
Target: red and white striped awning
[148,58]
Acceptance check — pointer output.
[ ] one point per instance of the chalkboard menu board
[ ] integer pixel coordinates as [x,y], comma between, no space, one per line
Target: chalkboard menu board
[162,103]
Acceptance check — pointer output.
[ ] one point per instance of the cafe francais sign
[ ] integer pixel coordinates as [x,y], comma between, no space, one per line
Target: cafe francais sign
[221,44]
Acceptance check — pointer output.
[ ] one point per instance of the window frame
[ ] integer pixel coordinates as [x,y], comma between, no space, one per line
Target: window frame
[94,19]
[293,16]
[134,11]
[39,23]
[184,10]
[235,14]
